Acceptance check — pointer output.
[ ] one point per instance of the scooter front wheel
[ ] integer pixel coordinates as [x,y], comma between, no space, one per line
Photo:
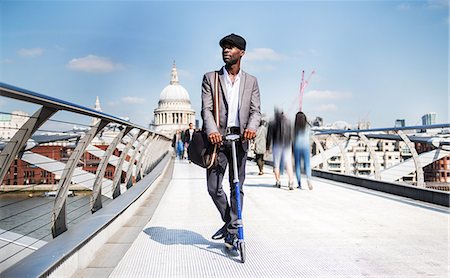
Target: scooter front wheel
[242,251]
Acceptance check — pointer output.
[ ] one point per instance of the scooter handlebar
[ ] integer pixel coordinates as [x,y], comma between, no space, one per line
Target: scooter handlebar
[232,137]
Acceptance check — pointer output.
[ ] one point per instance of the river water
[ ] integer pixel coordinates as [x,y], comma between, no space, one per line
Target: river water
[32,216]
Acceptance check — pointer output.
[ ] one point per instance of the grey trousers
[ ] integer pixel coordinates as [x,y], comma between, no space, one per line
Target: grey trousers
[214,177]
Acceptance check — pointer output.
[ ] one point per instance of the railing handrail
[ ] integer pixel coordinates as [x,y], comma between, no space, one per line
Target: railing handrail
[37,98]
[48,258]
[340,131]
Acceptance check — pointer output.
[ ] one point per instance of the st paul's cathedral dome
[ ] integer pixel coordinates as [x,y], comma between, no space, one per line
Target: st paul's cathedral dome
[174,107]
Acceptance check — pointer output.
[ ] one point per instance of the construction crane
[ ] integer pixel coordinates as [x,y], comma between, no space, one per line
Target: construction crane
[303,85]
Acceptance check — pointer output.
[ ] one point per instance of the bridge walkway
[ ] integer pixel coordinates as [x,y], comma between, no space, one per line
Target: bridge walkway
[335,230]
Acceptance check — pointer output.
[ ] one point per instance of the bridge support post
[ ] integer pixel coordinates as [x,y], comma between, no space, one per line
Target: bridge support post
[415,155]
[18,141]
[118,172]
[96,198]
[322,152]
[59,210]
[141,157]
[347,169]
[147,160]
[373,154]
[129,179]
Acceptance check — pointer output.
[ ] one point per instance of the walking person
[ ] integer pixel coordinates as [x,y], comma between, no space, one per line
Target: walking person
[302,148]
[279,134]
[177,143]
[188,133]
[260,146]
[239,113]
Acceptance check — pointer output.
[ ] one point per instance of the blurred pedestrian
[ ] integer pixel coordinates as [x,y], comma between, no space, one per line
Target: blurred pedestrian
[279,134]
[188,133]
[302,148]
[260,146]
[177,143]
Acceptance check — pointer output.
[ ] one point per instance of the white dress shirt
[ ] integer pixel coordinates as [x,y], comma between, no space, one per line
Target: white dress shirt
[232,96]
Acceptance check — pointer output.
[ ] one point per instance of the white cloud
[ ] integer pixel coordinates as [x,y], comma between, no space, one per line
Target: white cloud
[113,103]
[327,108]
[133,100]
[6,61]
[30,52]
[438,3]
[94,64]
[326,95]
[258,68]
[263,54]
[308,52]
[404,7]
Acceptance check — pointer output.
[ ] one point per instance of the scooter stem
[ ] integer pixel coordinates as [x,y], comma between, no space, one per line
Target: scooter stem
[235,166]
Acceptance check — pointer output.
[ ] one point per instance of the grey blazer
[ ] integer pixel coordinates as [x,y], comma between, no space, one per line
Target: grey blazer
[249,104]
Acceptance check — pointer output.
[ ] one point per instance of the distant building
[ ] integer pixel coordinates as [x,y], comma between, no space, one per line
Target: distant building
[429,119]
[341,125]
[439,170]
[361,163]
[363,125]
[97,107]
[22,173]
[317,122]
[11,123]
[174,108]
[400,123]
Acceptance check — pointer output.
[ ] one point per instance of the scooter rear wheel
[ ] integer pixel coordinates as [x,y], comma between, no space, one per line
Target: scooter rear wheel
[242,251]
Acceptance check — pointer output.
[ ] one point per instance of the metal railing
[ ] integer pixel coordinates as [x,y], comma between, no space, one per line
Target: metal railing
[425,145]
[104,158]
[358,157]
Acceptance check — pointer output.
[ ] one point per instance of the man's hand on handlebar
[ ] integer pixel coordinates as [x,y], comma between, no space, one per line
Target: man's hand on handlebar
[215,138]
[249,134]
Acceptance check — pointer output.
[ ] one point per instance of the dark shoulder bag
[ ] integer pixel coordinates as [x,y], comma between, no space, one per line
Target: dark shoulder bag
[201,151]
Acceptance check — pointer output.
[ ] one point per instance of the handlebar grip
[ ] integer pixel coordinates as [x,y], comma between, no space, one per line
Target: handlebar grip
[232,137]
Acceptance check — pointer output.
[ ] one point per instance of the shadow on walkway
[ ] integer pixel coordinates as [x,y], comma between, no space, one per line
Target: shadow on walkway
[185,237]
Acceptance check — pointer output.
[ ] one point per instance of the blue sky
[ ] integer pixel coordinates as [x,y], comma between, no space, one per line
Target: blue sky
[373,60]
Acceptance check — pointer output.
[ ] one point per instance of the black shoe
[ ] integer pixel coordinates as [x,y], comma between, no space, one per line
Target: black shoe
[221,233]
[231,240]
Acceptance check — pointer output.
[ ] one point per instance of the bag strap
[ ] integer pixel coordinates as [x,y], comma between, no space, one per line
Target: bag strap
[216,98]
[216,114]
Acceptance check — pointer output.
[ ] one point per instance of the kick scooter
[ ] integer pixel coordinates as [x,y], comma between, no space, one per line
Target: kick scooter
[240,244]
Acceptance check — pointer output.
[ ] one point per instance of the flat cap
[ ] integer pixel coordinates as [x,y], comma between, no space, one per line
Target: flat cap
[235,40]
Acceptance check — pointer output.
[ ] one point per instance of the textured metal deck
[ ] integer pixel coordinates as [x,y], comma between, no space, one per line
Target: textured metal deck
[332,231]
